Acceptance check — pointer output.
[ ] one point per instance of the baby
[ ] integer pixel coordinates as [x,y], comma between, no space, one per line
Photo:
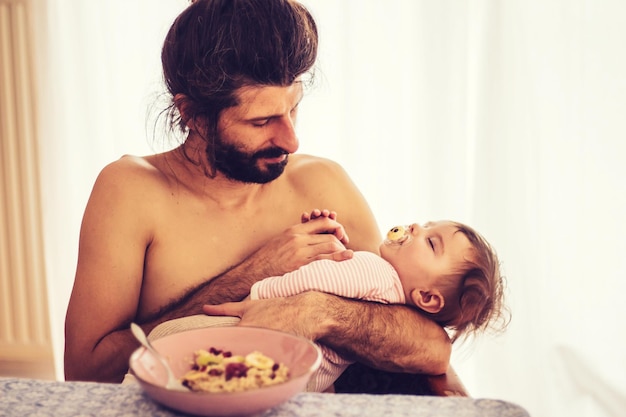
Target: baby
[445,269]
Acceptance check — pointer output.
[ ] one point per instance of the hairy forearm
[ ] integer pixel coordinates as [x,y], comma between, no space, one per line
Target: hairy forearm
[393,338]
[232,285]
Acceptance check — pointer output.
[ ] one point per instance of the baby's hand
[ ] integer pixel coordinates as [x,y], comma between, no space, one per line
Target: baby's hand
[340,233]
[316,213]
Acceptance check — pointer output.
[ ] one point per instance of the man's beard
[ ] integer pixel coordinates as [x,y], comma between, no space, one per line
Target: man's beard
[243,167]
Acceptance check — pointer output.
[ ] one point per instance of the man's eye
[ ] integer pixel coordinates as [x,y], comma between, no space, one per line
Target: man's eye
[260,123]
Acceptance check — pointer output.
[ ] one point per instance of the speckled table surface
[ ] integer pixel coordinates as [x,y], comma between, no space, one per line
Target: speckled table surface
[38,398]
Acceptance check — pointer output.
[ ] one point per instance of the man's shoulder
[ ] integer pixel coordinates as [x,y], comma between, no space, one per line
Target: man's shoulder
[133,168]
[309,167]
[131,175]
[131,165]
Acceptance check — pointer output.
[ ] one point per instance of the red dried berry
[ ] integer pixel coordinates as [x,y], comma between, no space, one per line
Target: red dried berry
[236,370]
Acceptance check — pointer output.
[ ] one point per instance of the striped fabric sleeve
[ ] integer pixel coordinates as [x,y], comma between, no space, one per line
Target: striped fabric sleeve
[366,276]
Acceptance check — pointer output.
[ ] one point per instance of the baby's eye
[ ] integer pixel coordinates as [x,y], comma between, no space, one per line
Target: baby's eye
[432,245]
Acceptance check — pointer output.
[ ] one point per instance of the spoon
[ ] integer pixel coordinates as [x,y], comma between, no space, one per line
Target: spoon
[172,382]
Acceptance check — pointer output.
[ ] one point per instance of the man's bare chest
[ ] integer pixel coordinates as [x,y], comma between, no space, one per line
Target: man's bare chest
[192,246]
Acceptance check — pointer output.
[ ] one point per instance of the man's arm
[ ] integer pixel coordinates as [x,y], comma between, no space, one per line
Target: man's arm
[297,246]
[107,287]
[117,228]
[388,337]
[388,344]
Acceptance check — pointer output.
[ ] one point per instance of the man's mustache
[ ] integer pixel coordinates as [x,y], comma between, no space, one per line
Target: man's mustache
[270,153]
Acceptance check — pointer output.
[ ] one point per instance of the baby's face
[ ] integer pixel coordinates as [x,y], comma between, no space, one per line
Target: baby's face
[422,254]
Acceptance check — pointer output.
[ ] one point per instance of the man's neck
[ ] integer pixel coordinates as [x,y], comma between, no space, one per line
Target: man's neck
[193,170]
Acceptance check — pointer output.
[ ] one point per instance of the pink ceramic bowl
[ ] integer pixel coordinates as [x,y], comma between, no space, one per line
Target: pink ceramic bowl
[301,356]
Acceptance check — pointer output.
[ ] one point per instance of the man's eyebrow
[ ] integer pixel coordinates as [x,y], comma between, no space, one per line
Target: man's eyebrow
[271,116]
[259,118]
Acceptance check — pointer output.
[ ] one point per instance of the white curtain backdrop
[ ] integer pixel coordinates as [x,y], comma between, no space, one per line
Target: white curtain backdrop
[507,115]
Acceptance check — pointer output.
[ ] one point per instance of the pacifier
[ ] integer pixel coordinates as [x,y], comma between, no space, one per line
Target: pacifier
[398,235]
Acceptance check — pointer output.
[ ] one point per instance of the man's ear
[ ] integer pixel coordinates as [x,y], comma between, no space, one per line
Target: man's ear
[430,301]
[182,104]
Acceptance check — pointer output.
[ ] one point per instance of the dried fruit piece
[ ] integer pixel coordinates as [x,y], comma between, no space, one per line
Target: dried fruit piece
[259,360]
[204,358]
[236,370]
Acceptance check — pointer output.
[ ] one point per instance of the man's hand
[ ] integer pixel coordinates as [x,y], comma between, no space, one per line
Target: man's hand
[300,244]
[270,313]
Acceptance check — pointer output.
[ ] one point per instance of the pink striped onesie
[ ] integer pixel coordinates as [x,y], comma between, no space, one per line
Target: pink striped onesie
[366,276]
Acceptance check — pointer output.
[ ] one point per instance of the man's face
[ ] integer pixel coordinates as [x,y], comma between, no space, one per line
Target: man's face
[255,138]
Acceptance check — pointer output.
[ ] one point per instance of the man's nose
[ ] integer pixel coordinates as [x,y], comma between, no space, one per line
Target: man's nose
[285,136]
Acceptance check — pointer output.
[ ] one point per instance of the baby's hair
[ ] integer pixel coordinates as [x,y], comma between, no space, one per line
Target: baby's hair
[474,294]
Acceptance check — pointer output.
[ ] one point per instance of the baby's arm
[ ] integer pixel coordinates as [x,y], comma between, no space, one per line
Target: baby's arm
[310,277]
[365,276]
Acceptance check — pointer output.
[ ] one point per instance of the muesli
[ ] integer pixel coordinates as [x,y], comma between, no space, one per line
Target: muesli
[216,370]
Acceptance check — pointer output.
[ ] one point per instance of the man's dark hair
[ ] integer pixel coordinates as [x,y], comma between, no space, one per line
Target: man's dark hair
[215,47]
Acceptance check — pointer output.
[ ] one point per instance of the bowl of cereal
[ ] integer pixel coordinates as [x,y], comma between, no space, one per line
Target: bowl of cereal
[230,371]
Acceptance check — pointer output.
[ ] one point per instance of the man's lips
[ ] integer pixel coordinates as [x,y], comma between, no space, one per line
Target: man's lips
[275,159]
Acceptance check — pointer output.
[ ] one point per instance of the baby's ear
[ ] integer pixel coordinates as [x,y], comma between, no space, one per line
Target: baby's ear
[431,301]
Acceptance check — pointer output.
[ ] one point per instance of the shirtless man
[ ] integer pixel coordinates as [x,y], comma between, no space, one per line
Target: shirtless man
[165,234]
